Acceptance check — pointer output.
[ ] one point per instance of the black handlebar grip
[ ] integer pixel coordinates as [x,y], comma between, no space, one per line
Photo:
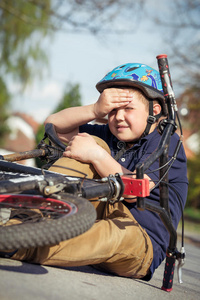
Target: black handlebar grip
[164,70]
[168,273]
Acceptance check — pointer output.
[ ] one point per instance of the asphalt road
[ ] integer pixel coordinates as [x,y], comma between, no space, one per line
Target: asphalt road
[26,281]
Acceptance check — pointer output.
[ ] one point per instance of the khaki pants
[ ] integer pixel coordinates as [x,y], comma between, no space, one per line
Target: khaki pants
[116,242]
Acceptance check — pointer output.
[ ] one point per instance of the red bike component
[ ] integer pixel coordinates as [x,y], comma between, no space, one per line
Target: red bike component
[136,187]
[34,202]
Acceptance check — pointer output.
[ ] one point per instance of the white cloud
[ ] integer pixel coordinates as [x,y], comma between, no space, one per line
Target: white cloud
[44,91]
[38,100]
[52,90]
[40,114]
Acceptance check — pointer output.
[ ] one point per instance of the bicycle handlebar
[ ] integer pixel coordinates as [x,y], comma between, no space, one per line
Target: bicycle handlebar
[111,187]
[17,156]
[168,273]
[165,75]
[48,152]
[167,84]
[172,253]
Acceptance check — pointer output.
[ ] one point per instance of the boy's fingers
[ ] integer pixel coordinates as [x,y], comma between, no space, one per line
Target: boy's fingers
[83,134]
[125,96]
[67,154]
[121,104]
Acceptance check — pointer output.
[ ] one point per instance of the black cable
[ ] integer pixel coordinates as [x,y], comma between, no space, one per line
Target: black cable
[181,206]
[160,180]
[158,169]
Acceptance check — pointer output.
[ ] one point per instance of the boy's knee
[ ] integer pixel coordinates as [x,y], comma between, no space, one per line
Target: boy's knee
[72,167]
[101,143]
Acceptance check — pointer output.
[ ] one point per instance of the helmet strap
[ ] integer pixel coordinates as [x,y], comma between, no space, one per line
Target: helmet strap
[151,118]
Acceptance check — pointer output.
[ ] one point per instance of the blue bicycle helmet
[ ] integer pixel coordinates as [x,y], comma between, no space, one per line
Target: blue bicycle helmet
[138,76]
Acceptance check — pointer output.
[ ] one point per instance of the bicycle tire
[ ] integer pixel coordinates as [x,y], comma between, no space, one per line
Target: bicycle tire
[80,216]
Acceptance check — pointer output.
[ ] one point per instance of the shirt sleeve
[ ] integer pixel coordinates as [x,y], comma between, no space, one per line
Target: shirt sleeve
[101,131]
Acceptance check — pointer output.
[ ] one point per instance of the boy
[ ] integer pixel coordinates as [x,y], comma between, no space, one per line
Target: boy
[124,240]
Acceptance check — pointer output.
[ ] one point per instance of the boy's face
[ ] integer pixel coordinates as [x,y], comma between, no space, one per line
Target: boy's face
[128,123]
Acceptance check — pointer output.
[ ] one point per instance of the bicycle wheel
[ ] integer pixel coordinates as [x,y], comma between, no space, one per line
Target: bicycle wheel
[43,221]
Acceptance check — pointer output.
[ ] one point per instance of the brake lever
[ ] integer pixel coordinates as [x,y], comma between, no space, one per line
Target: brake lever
[181,262]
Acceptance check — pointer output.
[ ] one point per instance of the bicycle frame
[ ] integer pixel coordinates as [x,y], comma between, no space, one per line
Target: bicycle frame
[161,153]
[111,188]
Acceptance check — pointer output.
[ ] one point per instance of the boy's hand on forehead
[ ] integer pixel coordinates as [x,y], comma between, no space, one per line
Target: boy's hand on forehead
[110,99]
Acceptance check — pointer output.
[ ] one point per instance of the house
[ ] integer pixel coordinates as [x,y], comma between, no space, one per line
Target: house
[23,129]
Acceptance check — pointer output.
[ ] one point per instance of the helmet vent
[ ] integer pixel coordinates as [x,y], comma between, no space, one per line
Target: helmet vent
[131,69]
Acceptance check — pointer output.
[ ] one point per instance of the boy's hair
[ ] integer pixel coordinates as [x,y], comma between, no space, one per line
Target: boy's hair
[142,97]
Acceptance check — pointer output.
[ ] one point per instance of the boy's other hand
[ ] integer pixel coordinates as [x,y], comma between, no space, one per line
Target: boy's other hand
[84,148]
[110,99]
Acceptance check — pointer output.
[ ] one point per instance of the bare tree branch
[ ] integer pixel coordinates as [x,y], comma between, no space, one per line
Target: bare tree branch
[180,27]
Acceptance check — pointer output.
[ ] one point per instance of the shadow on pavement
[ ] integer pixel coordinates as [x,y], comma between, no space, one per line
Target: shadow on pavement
[24,268]
[89,270]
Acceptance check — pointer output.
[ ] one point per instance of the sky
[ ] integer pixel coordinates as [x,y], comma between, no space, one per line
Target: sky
[85,59]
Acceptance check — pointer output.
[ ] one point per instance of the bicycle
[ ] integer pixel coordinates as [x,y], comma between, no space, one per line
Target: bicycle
[60,202]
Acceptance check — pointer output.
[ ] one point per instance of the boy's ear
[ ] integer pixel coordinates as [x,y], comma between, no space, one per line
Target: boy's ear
[156,109]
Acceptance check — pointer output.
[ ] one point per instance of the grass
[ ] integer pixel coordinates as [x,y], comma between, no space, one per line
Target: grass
[192,213]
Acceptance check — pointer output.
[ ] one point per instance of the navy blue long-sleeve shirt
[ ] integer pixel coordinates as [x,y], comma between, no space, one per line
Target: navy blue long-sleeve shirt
[177,176]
